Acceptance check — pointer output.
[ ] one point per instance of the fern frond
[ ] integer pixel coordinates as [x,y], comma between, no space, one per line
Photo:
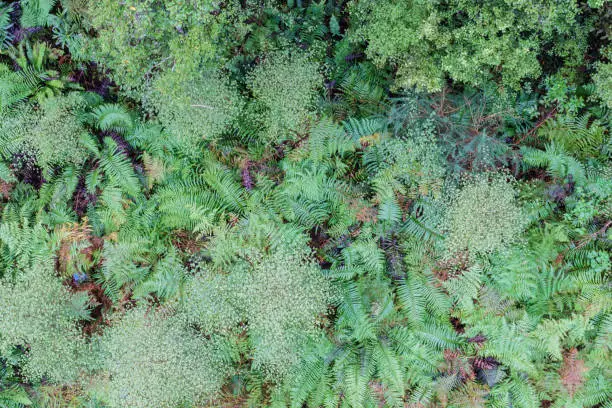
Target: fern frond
[165,280]
[557,161]
[118,168]
[36,12]
[5,24]
[113,117]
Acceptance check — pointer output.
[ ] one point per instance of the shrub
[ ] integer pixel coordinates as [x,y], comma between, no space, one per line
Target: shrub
[196,108]
[153,360]
[484,215]
[53,132]
[56,135]
[279,295]
[284,87]
[603,79]
[286,294]
[40,316]
[213,302]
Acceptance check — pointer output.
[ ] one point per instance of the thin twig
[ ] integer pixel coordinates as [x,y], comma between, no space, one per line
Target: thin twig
[203,106]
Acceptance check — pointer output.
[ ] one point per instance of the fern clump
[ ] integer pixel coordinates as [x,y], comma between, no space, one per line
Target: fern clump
[40,316]
[279,295]
[196,108]
[484,215]
[284,87]
[152,359]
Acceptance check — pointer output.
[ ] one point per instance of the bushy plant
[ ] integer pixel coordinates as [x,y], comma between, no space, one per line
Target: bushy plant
[286,294]
[56,137]
[53,132]
[40,316]
[196,108]
[278,295]
[140,38]
[484,215]
[212,300]
[603,79]
[151,359]
[284,87]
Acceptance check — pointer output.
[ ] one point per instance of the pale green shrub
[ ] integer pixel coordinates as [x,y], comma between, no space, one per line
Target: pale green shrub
[38,314]
[152,359]
[200,107]
[212,301]
[279,296]
[484,215]
[603,79]
[57,133]
[53,131]
[286,294]
[285,87]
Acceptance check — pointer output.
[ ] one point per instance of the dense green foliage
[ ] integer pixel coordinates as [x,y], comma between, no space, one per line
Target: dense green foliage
[470,41]
[154,360]
[336,204]
[484,217]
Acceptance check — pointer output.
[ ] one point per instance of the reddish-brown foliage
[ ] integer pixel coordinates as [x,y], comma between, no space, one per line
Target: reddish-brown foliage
[572,371]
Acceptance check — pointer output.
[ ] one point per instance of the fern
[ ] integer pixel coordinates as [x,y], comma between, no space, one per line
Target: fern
[557,161]
[5,24]
[16,86]
[165,280]
[113,117]
[366,130]
[122,268]
[36,12]
[6,174]
[578,136]
[14,397]
[118,168]
[418,297]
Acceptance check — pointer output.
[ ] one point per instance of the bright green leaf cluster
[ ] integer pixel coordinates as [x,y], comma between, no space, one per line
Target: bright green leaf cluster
[467,40]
